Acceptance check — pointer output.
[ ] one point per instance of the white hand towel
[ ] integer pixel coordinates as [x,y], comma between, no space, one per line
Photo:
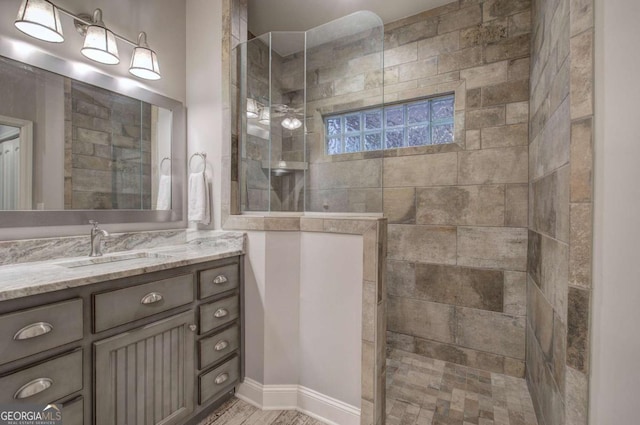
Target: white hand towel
[164,193]
[199,209]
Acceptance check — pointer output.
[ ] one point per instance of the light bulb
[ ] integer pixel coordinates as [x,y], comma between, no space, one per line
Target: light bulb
[291,123]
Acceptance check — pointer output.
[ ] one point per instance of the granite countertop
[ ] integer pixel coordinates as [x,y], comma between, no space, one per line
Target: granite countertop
[30,278]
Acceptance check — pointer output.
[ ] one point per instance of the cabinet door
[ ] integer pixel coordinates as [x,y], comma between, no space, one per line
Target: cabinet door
[146,376]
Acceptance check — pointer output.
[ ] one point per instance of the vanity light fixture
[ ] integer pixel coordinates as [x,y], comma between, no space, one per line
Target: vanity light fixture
[41,19]
[100,43]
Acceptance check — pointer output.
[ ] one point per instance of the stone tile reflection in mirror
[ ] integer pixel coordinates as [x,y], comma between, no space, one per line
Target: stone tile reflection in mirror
[93,148]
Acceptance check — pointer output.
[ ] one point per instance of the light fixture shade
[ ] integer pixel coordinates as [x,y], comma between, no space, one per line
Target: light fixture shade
[291,123]
[40,19]
[252,108]
[100,45]
[144,62]
[265,116]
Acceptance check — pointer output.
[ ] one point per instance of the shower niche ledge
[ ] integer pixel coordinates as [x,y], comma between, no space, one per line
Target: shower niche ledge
[281,168]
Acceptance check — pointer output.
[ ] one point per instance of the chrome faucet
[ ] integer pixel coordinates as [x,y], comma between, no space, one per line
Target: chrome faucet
[96,239]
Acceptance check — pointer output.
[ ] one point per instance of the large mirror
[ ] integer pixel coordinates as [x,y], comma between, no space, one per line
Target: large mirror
[72,150]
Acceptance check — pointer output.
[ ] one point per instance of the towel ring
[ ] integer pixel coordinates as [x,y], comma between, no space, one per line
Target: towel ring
[166,158]
[202,155]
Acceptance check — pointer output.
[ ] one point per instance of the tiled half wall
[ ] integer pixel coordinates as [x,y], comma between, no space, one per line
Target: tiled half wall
[374,299]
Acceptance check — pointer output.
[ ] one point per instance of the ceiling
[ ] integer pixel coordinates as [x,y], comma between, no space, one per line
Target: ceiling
[302,15]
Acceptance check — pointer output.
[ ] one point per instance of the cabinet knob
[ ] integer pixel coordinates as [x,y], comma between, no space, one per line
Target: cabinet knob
[220,279]
[33,330]
[32,388]
[221,378]
[193,328]
[221,312]
[221,345]
[151,298]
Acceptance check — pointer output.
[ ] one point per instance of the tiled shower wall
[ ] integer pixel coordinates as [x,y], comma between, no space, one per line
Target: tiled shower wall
[560,216]
[458,213]
[344,74]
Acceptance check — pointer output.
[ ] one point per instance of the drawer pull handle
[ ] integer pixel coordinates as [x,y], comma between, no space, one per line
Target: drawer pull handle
[32,388]
[33,330]
[223,377]
[152,298]
[221,345]
[221,312]
[220,279]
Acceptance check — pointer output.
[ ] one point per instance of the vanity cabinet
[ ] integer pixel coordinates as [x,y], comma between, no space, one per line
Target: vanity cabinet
[155,348]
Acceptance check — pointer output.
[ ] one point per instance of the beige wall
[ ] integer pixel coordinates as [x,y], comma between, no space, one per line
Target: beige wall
[205,94]
[615,380]
[560,167]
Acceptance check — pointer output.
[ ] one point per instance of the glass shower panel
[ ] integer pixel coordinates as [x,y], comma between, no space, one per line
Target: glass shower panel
[287,121]
[272,136]
[288,82]
[344,68]
[255,66]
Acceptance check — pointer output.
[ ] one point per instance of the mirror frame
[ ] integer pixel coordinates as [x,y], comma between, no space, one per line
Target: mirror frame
[33,56]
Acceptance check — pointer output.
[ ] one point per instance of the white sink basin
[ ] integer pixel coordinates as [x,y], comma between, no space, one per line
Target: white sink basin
[112,258]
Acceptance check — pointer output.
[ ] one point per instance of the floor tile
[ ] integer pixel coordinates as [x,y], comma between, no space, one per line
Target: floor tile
[449,394]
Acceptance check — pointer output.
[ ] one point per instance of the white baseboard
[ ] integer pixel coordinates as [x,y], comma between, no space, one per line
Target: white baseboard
[302,399]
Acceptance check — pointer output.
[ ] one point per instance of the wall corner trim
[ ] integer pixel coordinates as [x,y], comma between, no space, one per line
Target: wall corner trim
[299,398]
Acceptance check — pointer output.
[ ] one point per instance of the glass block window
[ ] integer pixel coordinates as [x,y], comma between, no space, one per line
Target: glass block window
[416,123]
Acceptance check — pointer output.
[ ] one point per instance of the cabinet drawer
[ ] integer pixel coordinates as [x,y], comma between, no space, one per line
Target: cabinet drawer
[218,313]
[73,412]
[218,280]
[122,306]
[38,329]
[45,382]
[218,381]
[215,347]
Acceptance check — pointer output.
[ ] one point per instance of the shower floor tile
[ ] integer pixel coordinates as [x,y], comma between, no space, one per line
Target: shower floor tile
[424,391]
